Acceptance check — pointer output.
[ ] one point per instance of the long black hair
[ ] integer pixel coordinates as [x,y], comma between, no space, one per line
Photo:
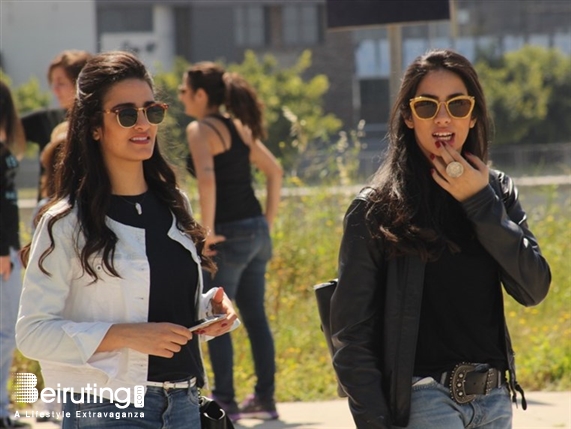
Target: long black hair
[407,206]
[81,176]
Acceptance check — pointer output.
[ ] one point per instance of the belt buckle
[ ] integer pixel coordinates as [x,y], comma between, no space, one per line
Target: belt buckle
[168,385]
[457,383]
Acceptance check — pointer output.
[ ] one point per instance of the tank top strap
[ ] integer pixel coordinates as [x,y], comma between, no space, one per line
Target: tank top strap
[235,137]
[209,125]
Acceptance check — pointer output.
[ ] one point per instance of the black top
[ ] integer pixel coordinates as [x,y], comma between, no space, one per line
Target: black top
[38,126]
[235,197]
[462,305]
[174,281]
[9,220]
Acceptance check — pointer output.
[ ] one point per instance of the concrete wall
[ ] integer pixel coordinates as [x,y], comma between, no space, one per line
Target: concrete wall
[32,33]
[154,49]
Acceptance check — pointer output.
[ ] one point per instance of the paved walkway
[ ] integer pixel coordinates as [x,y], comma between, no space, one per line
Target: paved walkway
[545,410]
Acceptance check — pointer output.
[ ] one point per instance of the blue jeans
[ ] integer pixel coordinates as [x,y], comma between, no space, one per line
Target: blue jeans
[242,261]
[164,409]
[432,408]
[9,300]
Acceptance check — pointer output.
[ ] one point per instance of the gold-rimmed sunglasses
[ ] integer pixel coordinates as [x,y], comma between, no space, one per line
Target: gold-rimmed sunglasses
[127,116]
[459,107]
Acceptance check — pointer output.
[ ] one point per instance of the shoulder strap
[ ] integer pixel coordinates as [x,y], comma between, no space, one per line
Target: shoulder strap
[365,193]
[216,131]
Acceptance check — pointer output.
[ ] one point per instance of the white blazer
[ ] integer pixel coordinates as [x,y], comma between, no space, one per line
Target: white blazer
[63,317]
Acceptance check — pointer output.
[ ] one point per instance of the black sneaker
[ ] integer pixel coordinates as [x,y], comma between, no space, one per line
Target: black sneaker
[8,423]
[256,408]
[230,408]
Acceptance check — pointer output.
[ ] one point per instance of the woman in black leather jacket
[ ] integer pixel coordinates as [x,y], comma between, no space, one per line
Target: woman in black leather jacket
[417,318]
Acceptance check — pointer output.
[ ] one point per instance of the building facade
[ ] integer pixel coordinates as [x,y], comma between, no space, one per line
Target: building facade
[357,62]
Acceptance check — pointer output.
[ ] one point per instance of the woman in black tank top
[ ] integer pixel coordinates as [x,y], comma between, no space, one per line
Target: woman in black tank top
[223,148]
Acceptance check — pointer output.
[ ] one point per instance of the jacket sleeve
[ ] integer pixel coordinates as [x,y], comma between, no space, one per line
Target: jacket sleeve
[501,227]
[355,305]
[42,331]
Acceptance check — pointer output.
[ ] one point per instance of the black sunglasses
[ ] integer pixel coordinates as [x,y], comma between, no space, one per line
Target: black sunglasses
[127,116]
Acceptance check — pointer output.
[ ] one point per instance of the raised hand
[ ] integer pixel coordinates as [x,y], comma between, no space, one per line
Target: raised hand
[473,175]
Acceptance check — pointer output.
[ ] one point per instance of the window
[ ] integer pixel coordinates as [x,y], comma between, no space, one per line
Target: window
[115,19]
[249,26]
[372,58]
[373,61]
[301,24]
[375,100]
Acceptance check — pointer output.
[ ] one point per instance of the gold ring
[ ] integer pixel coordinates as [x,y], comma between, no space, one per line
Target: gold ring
[454,169]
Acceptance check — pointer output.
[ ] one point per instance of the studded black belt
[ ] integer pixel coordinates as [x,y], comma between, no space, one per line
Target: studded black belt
[467,380]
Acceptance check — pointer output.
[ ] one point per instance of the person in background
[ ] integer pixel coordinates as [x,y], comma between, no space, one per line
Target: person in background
[12,145]
[417,318]
[62,76]
[225,143]
[49,157]
[116,259]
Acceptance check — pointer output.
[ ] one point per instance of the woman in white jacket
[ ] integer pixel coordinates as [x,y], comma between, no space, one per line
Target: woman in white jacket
[113,277]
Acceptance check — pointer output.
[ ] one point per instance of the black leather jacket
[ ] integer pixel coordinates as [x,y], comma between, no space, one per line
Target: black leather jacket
[376,306]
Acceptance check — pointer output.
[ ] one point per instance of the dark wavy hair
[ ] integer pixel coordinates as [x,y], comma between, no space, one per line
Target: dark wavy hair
[230,90]
[81,176]
[408,207]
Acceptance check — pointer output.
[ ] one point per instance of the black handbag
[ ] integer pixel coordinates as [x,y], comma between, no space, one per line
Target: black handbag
[212,416]
[323,294]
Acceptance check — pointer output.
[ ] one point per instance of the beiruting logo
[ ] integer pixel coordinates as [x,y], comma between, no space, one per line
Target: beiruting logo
[27,393]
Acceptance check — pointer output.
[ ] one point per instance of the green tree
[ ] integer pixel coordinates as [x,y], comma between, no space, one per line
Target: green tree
[28,96]
[285,92]
[529,95]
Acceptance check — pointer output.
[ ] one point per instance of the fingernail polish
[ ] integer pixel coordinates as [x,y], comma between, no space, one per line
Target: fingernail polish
[432,156]
[438,143]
